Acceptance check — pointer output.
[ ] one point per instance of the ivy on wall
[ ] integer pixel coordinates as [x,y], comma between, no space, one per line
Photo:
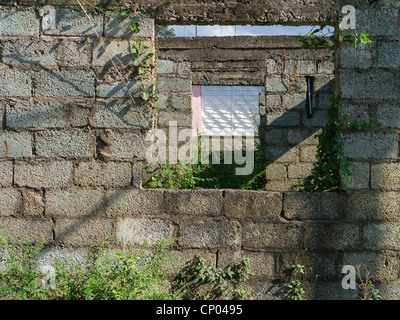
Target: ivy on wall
[331,171]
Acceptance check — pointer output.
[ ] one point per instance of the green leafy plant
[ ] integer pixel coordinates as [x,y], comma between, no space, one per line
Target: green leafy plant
[207,282]
[107,274]
[210,175]
[142,54]
[295,285]
[366,289]
[331,171]
[21,279]
[110,273]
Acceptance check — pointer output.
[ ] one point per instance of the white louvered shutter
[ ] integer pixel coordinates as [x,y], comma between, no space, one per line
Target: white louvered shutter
[230,110]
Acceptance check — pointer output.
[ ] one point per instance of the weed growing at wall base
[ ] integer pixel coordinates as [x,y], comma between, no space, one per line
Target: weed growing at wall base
[109,273]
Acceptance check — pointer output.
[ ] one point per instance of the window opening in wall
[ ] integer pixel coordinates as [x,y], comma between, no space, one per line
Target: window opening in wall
[234,30]
[226,110]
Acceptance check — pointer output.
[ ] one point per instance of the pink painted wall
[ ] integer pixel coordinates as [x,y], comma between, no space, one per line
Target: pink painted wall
[196,110]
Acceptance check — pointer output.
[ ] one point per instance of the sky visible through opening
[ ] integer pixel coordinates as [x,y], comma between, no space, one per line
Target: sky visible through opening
[220,31]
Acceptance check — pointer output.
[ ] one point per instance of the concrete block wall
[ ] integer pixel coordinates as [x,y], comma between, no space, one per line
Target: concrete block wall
[72,143]
[368,84]
[322,231]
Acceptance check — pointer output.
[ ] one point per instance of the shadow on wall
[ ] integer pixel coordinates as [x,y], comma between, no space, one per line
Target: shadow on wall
[289,136]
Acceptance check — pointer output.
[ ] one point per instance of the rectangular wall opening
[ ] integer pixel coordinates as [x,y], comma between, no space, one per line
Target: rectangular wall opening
[236,30]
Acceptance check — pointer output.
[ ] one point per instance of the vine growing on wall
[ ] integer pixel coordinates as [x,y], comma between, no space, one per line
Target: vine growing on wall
[144,58]
[331,171]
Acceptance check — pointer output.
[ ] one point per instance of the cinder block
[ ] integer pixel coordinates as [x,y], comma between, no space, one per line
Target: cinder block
[276,85]
[115,27]
[325,67]
[82,232]
[132,202]
[375,85]
[332,236]
[36,115]
[113,52]
[318,119]
[389,54]
[262,263]
[210,233]
[276,171]
[74,53]
[317,265]
[385,176]
[79,116]
[117,114]
[245,204]
[129,89]
[15,144]
[138,231]
[272,101]
[32,203]
[357,112]
[389,290]
[321,84]
[6,173]
[373,206]
[10,201]
[74,203]
[378,22]
[24,52]
[276,136]
[174,85]
[282,185]
[283,118]
[57,174]
[388,116]
[182,101]
[303,136]
[74,23]
[386,263]
[103,174]
[32,230]
[308,153]
[65,144]
[16,22]
[165,66]
[381,236]
[193,202]
[282,154]
[71,257]
[181,259]
[329,290]
[301,67]
[360,174]
[311,206]
[261,235]
[184,67]
[293,100]
[362,58]
[52,83]
[183,119]
[371,145]
[322,100]
[128,145]
[162,101]
[299,170]
[14,83]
